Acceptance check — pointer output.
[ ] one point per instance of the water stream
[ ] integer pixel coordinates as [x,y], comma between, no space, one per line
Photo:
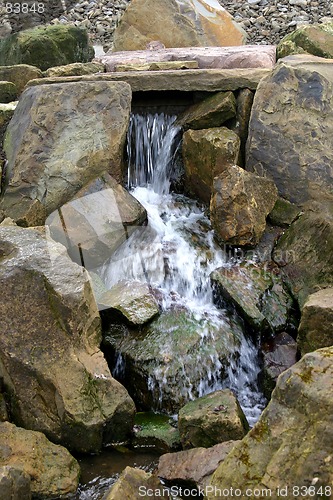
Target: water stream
[175,254]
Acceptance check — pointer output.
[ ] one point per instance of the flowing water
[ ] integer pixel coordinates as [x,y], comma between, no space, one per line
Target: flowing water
[175,253]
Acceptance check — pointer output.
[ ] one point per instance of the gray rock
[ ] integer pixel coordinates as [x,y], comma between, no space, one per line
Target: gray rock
[316,39]
[61,137]
[288,139]
[133,300]
[53,471]
[14,484]
[239,206]
[54,374]
[211,419]
[291,445]
[8,92]
[19,75]
[100,217]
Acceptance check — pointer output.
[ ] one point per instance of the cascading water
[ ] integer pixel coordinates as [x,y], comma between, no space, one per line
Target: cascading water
[176,254]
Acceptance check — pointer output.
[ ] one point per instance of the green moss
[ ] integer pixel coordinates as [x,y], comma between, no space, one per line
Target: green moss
[306,374]
[155,430]
[260,431]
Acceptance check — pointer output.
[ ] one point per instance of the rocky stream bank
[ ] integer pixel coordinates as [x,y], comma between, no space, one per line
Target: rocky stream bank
[166,243]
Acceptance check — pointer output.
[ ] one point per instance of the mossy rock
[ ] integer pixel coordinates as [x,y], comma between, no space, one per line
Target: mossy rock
[283,213]
[8,92]
[316,39]
[46,46]
[156,432]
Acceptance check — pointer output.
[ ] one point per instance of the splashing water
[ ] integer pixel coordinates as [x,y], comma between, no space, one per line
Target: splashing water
[176,253]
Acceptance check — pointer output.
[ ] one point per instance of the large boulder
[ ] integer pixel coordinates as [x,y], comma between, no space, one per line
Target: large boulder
[56,378]
[316,39]
[194,467]
[211,419]
[155,432]
[134,484]
[164,371]
[46,46]
[304,252]
[207,153]
[316,326]
[257,293]
[239,206]
[289,141]
[20,75]
[291,445]
[100,217]
[52,469]
[176,23]
[60,137]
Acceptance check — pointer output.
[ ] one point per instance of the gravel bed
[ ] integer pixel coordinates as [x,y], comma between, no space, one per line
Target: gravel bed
[265,21]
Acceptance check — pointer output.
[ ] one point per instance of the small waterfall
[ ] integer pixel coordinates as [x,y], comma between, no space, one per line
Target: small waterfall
[176,254]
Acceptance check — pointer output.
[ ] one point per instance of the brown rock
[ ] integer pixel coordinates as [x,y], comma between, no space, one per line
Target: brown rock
[55,376]
[53,471]
[288,139]
[211,80]
[127,487]
[239,206]
[176,23]
[20,74]
[211,112]
[61,137]
[243,113]
[246,56]
[75,69]
[292,443]
[316,327]
[211,419]
[193,468]
[207,153]
[155,66]
[316,39]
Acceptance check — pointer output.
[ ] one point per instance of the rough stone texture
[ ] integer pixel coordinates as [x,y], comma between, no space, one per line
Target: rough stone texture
[247,56]
[8,92]
[211,419]
[211,80]
[20,74]
[14,484]
[127,487]
[100,217]
[283,213]
[316,39]
[241,124]
[54,373]
[155,432]
[3,409]
[75,69]
[316,327]
[6,112]
[193,468]
[61,137]
[132,300]
[53,471]
[163,371]
[207,153]
[161,65]
[211,112]
[257,293]
[239,206]
[46,46]
[176,23]
[291,444]
[278,353]
[304,252]
[288,138]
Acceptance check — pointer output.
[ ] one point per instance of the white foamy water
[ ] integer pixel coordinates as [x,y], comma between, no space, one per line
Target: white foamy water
[176,254]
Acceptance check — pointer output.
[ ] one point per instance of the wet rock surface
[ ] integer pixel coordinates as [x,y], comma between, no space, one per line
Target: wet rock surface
[156,432]
[211,419]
